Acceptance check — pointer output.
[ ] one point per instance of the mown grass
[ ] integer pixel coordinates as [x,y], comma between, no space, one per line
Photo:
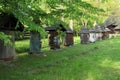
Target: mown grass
[23,45]
[95,61]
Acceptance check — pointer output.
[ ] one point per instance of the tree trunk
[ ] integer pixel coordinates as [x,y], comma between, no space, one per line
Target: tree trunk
[71,24]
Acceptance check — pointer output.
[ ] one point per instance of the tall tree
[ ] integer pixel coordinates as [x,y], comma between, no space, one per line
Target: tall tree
[48,11]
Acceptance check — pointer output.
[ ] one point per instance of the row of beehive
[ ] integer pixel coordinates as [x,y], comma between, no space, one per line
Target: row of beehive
[95,34]
[7,52]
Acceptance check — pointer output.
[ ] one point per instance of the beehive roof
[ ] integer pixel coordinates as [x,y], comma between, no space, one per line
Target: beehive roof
[9,22]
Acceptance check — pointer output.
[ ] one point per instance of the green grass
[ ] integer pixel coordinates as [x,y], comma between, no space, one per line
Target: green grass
[23,46]
[95,61]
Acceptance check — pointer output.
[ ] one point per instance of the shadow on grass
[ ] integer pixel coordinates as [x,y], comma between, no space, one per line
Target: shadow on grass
[101,64]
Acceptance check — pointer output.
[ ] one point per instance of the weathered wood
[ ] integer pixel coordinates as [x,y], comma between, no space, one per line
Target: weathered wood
[7,52]
[84,35]
[35,43]
[98,31]
[51,36]
[69,41]
[54,41]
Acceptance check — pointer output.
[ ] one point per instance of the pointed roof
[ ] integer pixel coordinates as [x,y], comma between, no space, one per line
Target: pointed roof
[9,22]
[112,22]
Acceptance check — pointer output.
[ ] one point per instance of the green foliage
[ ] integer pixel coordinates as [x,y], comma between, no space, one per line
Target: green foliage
[19,35]
[47,10]
[35,14]
[5,38]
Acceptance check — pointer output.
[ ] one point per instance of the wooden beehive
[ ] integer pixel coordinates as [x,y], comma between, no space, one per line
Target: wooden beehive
[52,33]
[8,24]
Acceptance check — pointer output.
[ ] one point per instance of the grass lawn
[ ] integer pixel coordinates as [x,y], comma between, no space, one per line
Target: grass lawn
[95,61]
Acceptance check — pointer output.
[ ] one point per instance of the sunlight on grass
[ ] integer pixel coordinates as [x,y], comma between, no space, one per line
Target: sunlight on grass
[94,61]
[90,77]
[77,40]
[116,65]
[110,63]
[22,46]
[23,54]
[106,62]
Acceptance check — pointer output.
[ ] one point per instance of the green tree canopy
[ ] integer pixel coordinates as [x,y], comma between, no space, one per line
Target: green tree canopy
[35,13]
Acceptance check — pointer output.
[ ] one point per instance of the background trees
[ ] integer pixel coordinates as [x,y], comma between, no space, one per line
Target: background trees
[34,14]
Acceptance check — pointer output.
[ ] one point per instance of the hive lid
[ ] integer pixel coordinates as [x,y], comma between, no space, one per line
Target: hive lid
[84,30]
